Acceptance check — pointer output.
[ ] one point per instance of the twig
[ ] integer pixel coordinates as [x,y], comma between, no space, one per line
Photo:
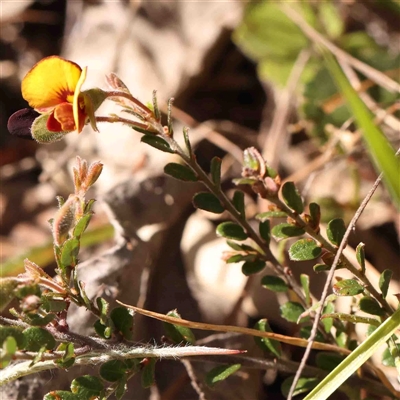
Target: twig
[19,370]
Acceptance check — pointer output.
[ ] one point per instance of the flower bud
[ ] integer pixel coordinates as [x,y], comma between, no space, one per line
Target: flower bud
[64,220]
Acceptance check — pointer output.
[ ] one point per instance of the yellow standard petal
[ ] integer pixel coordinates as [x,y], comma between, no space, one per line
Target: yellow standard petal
[51,81]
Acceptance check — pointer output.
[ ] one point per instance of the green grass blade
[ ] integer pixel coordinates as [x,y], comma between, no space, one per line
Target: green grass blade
[378,146]
[354,360]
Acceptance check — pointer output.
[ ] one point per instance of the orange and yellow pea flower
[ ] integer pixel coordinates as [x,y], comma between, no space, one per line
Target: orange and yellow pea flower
[53,86]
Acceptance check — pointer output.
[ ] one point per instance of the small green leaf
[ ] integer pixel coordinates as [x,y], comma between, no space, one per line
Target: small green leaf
[37,320]
[271,214]
[328,361]
[241,257]
[216,171]
[15,332]
[252,267]
[347,287]
[274,283]
[384,281]
[244,181]
[208,202]
[178,334]
[87,387]
[81,225]
[285,230]
[360,255]
[102,330]
[304,385]
[231,230]
[266,344]
[180,172]
[113,371]
[238,202]
[305,283]
[315,213]
[328,322]
[36,338]
[265,231]
[69,252]
[321,267]
[233,245]
[103,306]
[220,373]
[371,306]
[291,311]
[292,197]
[335,231]
[50,305]
[89,205]
[304,249]
[157,142]
[68,358]
[123,321]
[148,372]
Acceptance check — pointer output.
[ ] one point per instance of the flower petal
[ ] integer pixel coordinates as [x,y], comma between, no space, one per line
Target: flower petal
[79,116]
[51,81]
[19,124]
[64,115]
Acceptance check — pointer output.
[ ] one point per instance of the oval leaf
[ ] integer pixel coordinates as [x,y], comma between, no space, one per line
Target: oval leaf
[384,281]
[180,172]
[274,283]
[371,306]
[291,311]
[36,338]
[265,231]
[157,142]
[231,230]
[252,267]
[208,202]
[178,334]
[304,249]
[216,171]
[87,387]
[266,344]
[220,373]
[335,231]
[285,230]
[113,371]
[271,214]
[360,255]
[347,287]
[123,321]
[292,197]
[238,202]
